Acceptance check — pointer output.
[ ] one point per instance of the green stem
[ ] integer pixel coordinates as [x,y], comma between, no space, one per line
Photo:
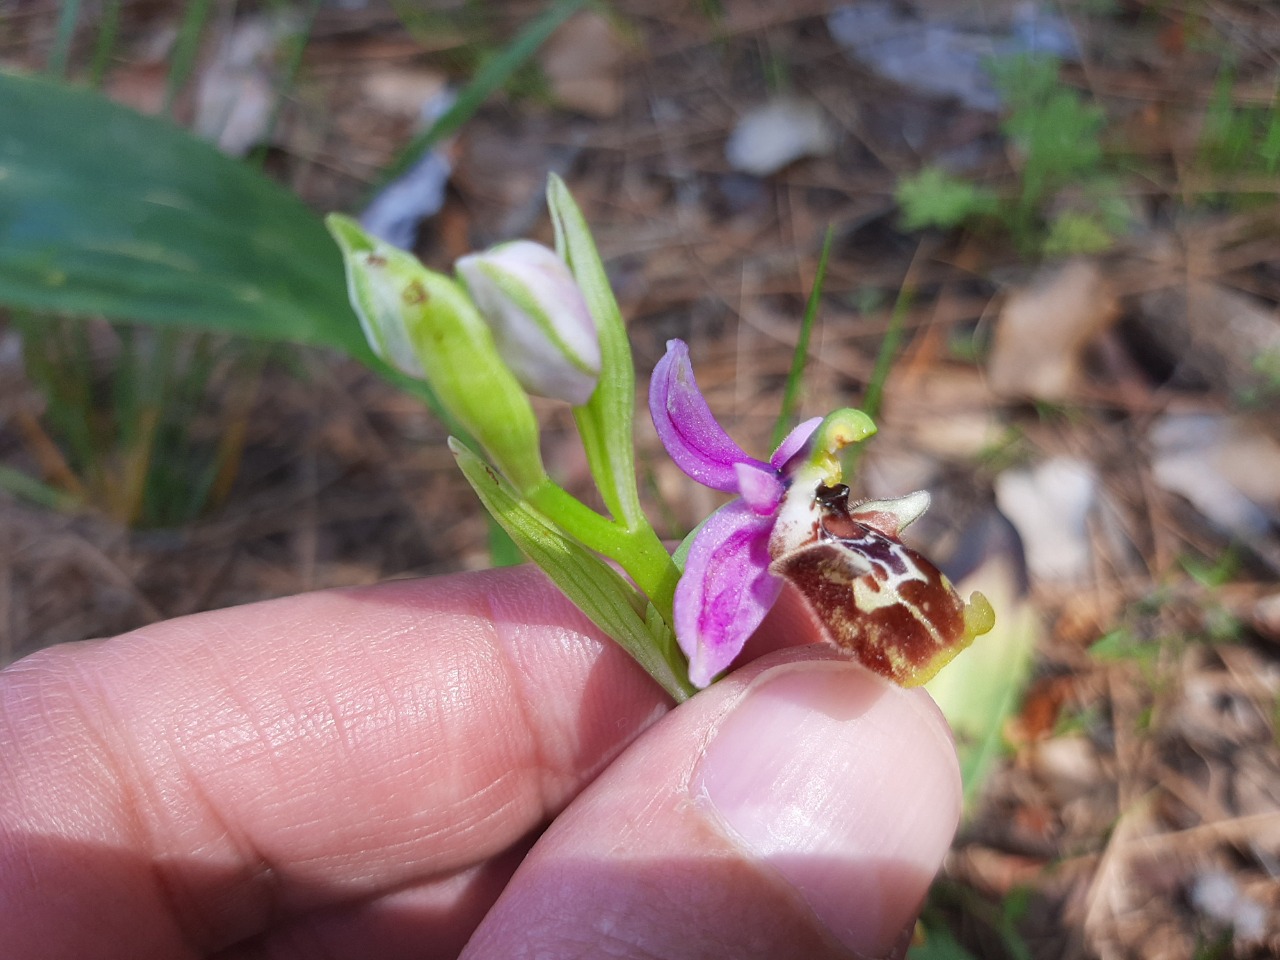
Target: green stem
[60,55]
[651,567]
[636,549]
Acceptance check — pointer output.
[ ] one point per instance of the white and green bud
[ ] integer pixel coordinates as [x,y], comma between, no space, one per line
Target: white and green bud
[378,275]
[424,324]
[540,320]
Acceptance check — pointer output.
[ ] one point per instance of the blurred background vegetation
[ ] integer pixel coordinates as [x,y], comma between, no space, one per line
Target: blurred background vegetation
[1054,274]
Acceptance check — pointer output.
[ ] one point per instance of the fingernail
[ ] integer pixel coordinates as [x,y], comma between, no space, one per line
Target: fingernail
[847,786]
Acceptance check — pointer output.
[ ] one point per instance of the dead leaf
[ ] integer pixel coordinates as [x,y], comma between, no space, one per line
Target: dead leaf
[583,63]
[402,91]
[1041,707]
[1228,466]
[1044,328]
[935,53]
[236,93]
[1049,504]
[1068,766]
[1221,337]
[946,409]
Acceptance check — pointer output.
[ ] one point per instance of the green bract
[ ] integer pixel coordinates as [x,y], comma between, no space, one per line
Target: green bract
[595,588]
[606,421]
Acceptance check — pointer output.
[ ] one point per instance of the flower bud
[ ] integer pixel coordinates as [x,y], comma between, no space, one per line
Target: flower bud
[377,277]
[423,324]
[540,320]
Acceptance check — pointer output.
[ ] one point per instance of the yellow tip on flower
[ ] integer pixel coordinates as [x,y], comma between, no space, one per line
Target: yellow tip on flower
[979,618]
[839,429]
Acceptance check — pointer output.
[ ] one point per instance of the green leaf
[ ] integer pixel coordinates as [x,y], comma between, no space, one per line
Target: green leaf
[104,211]
[29,488]
[939,944]
[934,198]
[1061,139]
[982,687]
[606,421]
[1077,233]
[604,596]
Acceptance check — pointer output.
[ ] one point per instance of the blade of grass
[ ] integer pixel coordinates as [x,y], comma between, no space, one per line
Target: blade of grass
[791,393]
[54,361]
[20,485]
[104,47]
[873,399]
[64,33]
[124,385]
[185,49]
[138,421]
[490,78]
[173,487]
[135,466]
[231,444]
[47,455]
[297,45]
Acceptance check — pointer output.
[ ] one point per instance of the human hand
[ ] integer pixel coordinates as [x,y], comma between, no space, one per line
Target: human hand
[456,765]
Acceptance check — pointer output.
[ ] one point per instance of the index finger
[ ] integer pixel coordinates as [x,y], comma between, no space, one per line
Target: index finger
[174,790]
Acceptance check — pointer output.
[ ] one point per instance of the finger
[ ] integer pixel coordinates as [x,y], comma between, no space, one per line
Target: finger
[180,788]
[421,921]
[790,622]
[796,810]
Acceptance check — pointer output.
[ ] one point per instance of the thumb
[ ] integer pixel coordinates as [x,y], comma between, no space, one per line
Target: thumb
[796,809]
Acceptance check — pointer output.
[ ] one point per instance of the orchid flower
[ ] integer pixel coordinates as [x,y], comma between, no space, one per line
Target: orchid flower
[875,597]
[727,587]
[529,320]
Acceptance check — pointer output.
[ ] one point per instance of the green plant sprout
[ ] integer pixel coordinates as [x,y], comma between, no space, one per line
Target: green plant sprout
[150,425]
[522,319]
[1240,141]
[1067,199]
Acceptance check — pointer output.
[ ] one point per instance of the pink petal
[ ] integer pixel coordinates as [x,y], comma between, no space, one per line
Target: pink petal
[693,438]
[761,489]
[726,589]
[793,443]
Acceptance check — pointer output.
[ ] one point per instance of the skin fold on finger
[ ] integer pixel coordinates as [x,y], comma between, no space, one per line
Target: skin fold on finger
[422,921]
[173,791]
[794,810]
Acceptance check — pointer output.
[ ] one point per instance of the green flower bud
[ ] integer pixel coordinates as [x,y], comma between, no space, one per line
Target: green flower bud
[539,317]
[424,324]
